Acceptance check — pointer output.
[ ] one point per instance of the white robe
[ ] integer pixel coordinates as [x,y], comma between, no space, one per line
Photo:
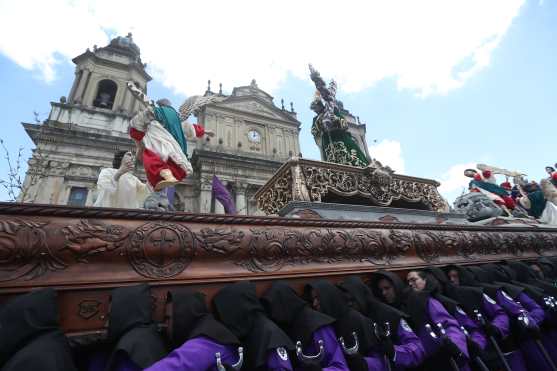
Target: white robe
[128,192]
[549,215]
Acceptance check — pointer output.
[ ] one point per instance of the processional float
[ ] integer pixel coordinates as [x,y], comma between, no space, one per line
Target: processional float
[346,215]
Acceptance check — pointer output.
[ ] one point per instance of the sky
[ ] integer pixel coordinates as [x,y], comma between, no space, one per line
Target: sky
[441,85]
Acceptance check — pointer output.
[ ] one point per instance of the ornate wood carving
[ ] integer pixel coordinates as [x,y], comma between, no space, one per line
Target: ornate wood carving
[85,252]
[313,180]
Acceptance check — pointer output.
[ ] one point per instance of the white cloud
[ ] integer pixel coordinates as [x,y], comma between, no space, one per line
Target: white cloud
[428,46]
[388,152]
[453,182]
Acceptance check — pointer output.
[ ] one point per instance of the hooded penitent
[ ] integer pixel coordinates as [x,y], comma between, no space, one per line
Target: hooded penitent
[131,327]
[30,338]
[499,275]
[333,303]
[238,307]
[191,318]
[293,313]
[368,304]
[469,298]
[408,301]
[526,277]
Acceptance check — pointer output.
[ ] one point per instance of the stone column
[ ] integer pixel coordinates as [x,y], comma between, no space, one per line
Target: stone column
[219,209]
[205,197]
[81,87]
[76,81]
[241,205]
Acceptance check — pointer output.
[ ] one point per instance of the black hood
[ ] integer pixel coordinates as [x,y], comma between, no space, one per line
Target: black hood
[465,276]
[348,320]
[46,352]
[523,272]
[502,277]
[24,318]
[548,267]
[399,286]
[292,313]
[369,305]
[331,300]
[131,325]
[191,318]
[407,300]
[238,307]
[435,289]
[130,306]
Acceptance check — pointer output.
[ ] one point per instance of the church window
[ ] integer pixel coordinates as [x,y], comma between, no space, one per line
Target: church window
[78,196]
[106,93]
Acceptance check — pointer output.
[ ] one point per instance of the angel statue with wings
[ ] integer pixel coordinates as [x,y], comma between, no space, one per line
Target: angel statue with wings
[161,140]
[330,126]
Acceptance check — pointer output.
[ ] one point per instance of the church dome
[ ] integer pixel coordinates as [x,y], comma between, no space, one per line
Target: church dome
[125,43]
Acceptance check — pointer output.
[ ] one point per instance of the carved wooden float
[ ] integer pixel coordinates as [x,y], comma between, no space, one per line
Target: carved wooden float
[86,252]
[318,181]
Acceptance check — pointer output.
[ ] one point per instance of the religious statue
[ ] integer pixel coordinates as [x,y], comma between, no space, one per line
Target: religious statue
[162,145]
[330,127]
[118,187]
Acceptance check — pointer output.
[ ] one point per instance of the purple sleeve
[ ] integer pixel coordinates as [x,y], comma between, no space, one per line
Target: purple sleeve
[409,352]
[124,363]
[277,360]
[439,314]
[474,331]
[536,312]
[334,359]
[509,305]
[197,354]
[496,315]
[375,361]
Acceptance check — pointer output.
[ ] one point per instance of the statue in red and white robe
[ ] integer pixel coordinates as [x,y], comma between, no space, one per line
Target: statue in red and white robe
[164,161]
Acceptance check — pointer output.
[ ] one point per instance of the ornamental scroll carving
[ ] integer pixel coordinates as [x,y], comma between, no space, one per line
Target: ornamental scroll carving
[24,251]
[159,249]
[305,180]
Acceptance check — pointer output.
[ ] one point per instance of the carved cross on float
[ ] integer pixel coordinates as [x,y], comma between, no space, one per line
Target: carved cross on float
[162,243]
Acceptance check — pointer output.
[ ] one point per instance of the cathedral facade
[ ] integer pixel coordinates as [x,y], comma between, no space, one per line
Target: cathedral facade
[83,131]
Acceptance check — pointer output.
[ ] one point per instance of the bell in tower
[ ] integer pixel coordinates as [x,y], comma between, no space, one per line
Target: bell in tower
[101,76]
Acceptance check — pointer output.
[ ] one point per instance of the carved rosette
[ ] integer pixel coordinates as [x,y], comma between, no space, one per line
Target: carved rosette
[160,250]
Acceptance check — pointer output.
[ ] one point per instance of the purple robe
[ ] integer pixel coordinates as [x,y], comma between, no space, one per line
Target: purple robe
[530,351]
[409,351]
[496,315]
[474,330]
[438,314]
[333,359]
[197,354]
[276,362]
[121,362]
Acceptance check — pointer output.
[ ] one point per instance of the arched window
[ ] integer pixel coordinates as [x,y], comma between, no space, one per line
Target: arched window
[106,93]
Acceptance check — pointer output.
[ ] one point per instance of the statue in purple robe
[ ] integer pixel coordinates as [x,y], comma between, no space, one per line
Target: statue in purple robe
[317,345]
[267,347]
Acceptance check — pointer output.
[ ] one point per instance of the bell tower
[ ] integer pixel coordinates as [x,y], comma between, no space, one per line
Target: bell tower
[101,76]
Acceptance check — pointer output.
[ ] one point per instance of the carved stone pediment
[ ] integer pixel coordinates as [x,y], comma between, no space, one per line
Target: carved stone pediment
[254,106]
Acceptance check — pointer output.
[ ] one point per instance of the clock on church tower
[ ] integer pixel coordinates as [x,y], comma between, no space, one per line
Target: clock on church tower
[254,136]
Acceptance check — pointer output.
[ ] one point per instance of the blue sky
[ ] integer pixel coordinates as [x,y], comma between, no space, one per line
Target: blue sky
[423,122]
